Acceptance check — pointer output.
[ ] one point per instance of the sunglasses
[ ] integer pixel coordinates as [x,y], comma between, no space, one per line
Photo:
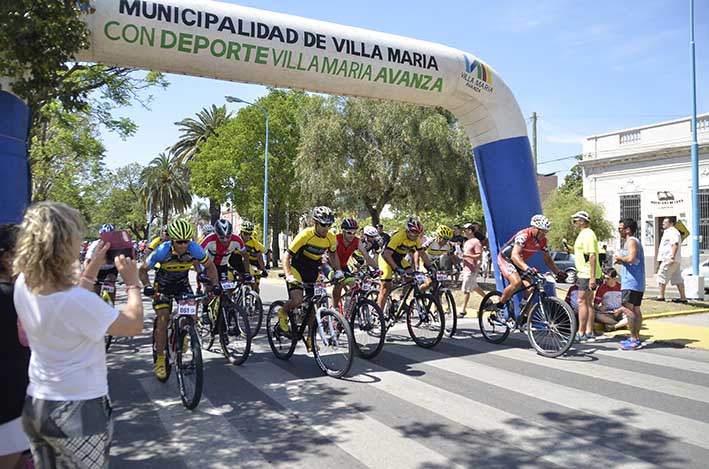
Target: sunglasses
[349,232]
[182,241]
[446,239]
[325,225]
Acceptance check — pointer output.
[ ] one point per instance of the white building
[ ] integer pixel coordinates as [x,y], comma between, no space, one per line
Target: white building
[645,173]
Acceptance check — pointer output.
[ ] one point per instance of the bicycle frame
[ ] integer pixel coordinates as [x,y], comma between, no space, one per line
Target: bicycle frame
[411,285]
[537,296]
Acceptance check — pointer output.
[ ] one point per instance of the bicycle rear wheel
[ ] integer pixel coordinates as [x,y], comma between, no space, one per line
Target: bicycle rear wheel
[425,320]
[254,311]
[449,311]
[168,365]
[234,333]
[333,344]
[282,343]
[190,373]
[492,322]
[551,327]
[368,327]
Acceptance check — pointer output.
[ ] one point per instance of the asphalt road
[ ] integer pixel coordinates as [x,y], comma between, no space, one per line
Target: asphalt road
[465,403]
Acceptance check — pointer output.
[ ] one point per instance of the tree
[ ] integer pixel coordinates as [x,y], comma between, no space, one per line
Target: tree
[365,153]
[123,203]
[194,132]
[573,182]
[561,205]
[230,164]
[165,180]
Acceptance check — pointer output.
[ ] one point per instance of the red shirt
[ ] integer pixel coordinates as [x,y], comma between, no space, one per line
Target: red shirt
[219,252]
[530,244]
[345,252]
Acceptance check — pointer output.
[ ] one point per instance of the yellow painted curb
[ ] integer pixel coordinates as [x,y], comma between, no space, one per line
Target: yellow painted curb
[670,314]
[679,334]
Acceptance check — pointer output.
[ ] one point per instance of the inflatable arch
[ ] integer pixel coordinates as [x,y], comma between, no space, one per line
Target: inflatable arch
[230,42]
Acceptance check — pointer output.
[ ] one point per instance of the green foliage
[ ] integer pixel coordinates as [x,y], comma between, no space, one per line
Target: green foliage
[561,205]
[573,182]
[359,153]
[165,182]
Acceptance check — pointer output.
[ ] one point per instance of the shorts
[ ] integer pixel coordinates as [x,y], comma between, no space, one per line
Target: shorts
[69,433]
[507,268]
[169,286]
[632,297]
[669,273]
[469,281]
[583,284]
[387,271]
[103,274]
[303,274]
[13,438]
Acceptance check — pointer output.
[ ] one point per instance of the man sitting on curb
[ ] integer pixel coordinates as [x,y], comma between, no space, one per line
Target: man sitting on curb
[607,303]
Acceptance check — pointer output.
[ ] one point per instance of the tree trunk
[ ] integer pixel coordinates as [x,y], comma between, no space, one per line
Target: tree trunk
[214,211]
[275,230]
[164,212]
[374,213]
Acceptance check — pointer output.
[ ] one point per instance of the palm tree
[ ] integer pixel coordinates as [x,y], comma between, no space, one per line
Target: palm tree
[166,180]
[196,131]
[199,213]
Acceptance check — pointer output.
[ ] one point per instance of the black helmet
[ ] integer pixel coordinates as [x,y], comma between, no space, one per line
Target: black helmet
[349,224]
[223,228]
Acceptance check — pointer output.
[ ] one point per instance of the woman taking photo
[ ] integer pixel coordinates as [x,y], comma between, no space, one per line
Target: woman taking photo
[67,412]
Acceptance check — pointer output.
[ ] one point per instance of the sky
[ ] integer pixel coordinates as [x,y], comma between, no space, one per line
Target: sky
[585,67]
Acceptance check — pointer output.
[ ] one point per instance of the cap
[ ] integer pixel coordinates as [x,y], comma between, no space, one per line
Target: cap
[468,226]
[581,215]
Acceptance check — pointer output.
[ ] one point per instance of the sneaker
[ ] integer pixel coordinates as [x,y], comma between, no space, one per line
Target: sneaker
[631,344]
[462,314]
[580,338]
[283,320]
[159,368]
[309,345]
[590,338]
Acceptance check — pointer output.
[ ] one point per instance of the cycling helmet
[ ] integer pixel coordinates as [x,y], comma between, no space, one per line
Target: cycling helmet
[349,224]
[180,230]
[414,226]
[223,228]
[370,231]
[541,222]
[164,228]
[207,229]
[323,215]
[444,231]
[247,227]
[106,228]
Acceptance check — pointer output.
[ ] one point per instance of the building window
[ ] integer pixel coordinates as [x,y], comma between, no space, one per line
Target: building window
[630,207]
[703,124]
[704,218]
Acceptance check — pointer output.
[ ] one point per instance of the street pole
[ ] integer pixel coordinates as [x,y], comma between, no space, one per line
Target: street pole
[695,151]
[234,99]
[534,141]
[150,217]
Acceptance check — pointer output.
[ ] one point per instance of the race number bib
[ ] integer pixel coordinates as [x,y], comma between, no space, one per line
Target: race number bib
[420,277]
[441,276]
[228,285]
[187,308]
[108,287]
[320,291]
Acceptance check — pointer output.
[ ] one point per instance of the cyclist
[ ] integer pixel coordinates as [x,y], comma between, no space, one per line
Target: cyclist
[223,244]
[347,244]
[255,251]
[301,262]
[207,229]
[392,259]
[439,246]
[513,257]
[175,257]
[107,272]
[372,244]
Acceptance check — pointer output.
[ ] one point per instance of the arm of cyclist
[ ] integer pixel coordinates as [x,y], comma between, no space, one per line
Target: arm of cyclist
[290,278]
[426,261]
[517,258]
[550,263]
[212,272]
[130,321]
[367,258]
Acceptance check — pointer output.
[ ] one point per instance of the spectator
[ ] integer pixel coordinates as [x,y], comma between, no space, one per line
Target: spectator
[588,270]
[472,254]
[669,258]
[486,261]
[14,360]
[385,237]
[602,256]
[607,302]
[67,412]
[572,298]
[632,278]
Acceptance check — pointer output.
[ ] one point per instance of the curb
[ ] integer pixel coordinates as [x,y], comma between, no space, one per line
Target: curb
[669,314]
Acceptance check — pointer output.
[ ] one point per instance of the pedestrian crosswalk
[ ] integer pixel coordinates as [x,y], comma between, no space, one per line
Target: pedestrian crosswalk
[465,403]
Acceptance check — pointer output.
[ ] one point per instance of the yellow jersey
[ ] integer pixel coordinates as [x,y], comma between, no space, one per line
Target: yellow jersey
[307,248]
[401,245]
[255,249]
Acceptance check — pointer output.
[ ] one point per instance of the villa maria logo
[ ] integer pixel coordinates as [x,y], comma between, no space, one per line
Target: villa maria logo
[477,75]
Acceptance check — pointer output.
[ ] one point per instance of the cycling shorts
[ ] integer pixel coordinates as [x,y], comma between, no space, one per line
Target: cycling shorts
[508,269]
[387,271]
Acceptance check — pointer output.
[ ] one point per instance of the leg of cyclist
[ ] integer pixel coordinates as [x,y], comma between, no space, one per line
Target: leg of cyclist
[295,299]
[163,314]
[386,277]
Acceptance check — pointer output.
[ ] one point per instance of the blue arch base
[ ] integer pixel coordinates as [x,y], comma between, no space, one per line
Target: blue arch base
[15,187]
[509,193]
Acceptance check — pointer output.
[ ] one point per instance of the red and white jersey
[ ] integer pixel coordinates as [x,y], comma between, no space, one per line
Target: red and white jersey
[218,252]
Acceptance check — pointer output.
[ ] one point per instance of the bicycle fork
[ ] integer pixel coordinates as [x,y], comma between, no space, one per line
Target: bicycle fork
[321,330]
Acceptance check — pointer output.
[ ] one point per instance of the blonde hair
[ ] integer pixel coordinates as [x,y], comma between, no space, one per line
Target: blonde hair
[46,243]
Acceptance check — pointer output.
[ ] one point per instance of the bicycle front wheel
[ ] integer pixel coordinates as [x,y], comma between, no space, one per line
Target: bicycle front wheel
[368,327]
[190,373]
[282,342]
[449,311]
[551,327]
[492,322]
[425,320]
[333,344]
[234,333]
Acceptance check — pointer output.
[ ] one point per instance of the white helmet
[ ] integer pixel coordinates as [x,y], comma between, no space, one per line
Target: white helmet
[207,229]
[369,230]
[541,222]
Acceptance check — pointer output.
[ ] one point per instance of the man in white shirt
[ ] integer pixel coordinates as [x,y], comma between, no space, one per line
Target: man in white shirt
[669,257]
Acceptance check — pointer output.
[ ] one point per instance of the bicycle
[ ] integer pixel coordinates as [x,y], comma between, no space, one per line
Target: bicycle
[442,292]
[364,315]
[550,322]
[425,320]
[226,319]
[183,347]
[331,339]
[250,301]
[108,287]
